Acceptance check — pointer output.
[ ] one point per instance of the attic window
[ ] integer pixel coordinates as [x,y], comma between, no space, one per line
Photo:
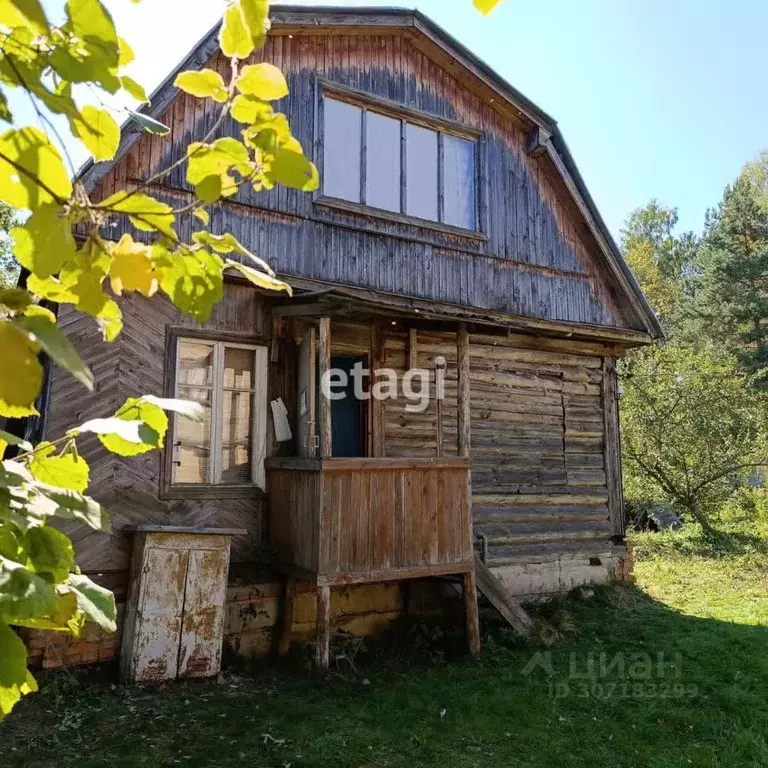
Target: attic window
[399,165]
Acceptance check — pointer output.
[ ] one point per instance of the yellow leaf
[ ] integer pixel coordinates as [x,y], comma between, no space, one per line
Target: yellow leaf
[235,37]
[132,268]
[44,243]
[264,81]
[125,52]
[110,320]
[32,172]
[145,212]
[23,13]
[98,131]
[260,279]
[203,84]
[21,374]
[256,13]
[486,6]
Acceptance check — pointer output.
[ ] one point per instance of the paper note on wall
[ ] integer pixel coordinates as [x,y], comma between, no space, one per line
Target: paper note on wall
[280,419]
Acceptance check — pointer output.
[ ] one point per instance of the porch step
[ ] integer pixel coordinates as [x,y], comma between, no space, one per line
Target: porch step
[502,600]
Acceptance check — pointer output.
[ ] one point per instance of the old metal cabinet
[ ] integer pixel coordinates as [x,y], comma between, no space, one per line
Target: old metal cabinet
[174,620]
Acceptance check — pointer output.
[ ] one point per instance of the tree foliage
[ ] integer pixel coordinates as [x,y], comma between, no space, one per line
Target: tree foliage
[692,427]
[40,585]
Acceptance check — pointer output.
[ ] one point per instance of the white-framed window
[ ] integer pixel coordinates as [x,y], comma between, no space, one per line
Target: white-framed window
[399,165]
[228,447]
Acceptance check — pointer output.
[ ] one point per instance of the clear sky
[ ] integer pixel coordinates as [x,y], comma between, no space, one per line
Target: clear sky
[656,98]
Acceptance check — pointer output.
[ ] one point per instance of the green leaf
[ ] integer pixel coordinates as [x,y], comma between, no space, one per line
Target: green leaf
[256,13]
[125,52]
[68,471]
[74,506]
[92,22]
[264,81]
[260,279]
[44,243]
[293,169]
[21,375]
[126,430]
[136,90]
[110,320]
[97,603]
[228,243]
[48,551]
[192,280]
[235,37]
[154,424]
[23,594]
[15,299]
[98,131]
[15,679]
[149,124]
[187,408]
[50,337]
[31,169]
[65,616]
[6,438]
[204,84]
[249,109]
[210,166]
[145,213]
[24,13]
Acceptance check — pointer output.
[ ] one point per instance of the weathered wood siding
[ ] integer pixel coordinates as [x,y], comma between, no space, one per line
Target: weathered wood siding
[539,261]
[132,366]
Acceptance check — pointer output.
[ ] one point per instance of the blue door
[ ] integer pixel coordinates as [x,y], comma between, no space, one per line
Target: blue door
[347,414]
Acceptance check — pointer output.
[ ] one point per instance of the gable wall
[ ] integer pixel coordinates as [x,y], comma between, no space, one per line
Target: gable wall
[538,261]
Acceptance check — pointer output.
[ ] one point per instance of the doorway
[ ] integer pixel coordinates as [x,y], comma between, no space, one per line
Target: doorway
[348,414]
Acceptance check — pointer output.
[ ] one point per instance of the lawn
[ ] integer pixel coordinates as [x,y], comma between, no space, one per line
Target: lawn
[671,672]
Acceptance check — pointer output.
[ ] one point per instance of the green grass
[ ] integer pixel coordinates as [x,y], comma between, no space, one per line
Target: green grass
[697,618]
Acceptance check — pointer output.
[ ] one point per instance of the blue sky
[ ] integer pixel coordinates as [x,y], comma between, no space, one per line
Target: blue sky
[656,98]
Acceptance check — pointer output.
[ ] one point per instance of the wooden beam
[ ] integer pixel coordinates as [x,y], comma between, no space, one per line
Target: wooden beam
[377,406]
[473,618]
[324,362]
[323,635]
[413,348]
[286,619]
[612,448]
[464,394]
[440,367]
[502,600]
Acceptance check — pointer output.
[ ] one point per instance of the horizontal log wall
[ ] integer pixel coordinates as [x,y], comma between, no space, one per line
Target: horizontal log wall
[539,260]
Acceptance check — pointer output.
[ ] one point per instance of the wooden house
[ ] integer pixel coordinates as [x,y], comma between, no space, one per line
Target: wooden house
[452,234]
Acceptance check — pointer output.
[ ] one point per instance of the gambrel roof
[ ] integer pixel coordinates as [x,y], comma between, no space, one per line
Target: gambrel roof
[544,136]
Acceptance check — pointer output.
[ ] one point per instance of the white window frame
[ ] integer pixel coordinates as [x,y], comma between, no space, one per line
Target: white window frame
[217,389]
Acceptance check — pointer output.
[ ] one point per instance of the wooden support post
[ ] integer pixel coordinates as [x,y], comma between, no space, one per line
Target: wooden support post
[612,454]
[473,619]
[413,348]
[324,360]
[464,394]
[440,366]
[286,620]
[323,636]
[377,406]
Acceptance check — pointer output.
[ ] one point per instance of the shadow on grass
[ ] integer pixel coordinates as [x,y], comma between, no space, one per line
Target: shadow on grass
[637,683]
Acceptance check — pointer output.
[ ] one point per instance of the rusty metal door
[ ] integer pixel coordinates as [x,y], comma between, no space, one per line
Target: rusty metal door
[159,620]
[203,624]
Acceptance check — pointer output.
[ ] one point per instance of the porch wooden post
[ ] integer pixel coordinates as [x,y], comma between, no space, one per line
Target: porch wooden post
[470,604]
[464,399]
[286,620]
[323,636]
[377,406]
[324,359]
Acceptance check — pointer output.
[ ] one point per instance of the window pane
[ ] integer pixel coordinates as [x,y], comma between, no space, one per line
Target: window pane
[458,182]
[382,179]
[238,368]
[236,438]
[195,364]
[192,441]
[421,172]
[343,150]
